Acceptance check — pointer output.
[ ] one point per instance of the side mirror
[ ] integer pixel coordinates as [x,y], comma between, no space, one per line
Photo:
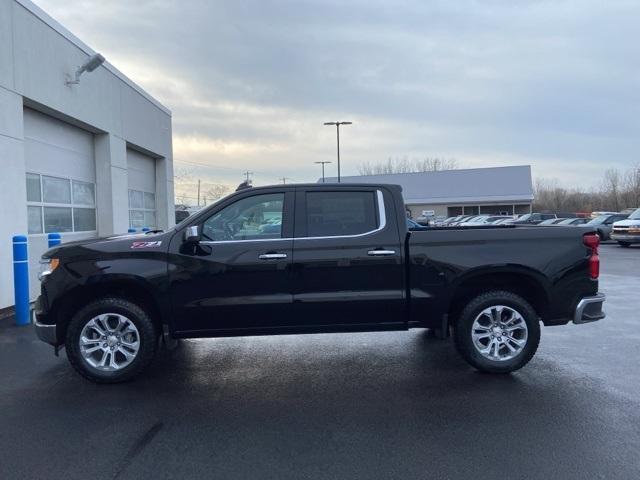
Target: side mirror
[191,234]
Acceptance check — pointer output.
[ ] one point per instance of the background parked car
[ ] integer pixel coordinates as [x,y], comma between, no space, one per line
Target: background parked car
[573,221]
[604,224]
[533,218]
[456,220]
[551,221]
[626,232]
[482,220]
[412,225]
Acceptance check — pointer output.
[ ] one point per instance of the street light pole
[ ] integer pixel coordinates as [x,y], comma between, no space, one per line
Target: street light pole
[323,163]
[337,124]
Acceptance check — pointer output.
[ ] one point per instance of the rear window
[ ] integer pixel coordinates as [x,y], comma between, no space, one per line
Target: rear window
[331,214]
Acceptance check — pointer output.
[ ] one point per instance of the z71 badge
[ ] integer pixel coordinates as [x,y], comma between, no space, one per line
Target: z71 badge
[146,244]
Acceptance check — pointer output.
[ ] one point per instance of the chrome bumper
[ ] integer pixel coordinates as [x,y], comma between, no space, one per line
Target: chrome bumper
[46,333]
[626,237]
[589,309]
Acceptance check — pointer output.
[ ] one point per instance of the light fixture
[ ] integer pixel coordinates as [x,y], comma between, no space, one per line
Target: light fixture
[93,62]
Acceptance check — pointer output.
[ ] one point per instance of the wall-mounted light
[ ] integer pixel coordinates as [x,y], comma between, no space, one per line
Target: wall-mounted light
[93,62]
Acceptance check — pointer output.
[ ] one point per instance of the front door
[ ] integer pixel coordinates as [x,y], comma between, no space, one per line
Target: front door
[238,276]
[347,259]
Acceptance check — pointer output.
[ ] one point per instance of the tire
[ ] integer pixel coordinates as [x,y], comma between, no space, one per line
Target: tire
[624,244]
[130,326]
[470,332]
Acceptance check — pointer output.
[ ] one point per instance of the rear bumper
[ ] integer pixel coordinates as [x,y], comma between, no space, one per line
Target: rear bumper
[589,309]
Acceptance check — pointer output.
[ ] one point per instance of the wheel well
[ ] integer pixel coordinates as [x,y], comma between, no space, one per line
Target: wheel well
[77,298]
[526,287]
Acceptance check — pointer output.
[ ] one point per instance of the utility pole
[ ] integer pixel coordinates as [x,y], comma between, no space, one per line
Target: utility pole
[322,163]
[248,174]
[198,192]
[337,124]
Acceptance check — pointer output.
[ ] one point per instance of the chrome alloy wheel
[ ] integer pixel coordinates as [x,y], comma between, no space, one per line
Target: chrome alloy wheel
[109,342]
[499,333]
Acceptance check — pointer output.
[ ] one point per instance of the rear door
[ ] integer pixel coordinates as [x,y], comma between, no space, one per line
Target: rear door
[347,259]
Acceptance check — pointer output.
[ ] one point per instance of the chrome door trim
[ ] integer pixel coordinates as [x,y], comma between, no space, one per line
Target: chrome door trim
[382,217]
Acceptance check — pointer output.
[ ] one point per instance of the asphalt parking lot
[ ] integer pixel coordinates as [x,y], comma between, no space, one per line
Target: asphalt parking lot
[374,405]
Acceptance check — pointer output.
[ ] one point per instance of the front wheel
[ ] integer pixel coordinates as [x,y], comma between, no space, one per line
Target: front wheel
[111,340]
[497,332]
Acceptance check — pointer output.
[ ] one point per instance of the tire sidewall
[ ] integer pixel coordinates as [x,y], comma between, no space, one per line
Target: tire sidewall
[146,331]
[463,329]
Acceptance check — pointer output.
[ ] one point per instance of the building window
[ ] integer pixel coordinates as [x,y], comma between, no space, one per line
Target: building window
[142,209]
[56,204]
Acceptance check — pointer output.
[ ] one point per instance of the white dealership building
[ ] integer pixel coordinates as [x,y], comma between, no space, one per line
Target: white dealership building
[84,159]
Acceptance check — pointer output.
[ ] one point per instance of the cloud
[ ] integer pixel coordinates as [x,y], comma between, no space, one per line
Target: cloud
[548,83]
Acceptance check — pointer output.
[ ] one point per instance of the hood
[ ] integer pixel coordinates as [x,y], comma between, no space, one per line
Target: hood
[112,244]
[627,223]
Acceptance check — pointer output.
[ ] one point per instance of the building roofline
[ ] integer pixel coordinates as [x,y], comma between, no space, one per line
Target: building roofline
[433,172]
[61,30]
[470,199]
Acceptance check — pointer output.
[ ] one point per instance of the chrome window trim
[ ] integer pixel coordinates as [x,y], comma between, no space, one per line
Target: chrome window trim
[382,217]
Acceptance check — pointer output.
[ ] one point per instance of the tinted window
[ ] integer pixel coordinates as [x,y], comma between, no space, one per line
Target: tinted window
[251,218]
[331,214]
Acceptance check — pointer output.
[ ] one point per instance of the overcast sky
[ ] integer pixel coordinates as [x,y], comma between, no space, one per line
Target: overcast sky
[554,84]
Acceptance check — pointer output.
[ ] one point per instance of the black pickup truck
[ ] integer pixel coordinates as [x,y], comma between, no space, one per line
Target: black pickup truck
[293,259]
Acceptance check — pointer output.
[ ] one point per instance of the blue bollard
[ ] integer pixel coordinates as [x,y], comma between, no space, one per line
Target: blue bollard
[146,229]
[54,239]
[21,279]
[131,230]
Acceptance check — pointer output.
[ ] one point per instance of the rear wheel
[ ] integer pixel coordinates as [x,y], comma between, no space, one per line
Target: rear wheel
[111,340]
[497,332]
[624,244]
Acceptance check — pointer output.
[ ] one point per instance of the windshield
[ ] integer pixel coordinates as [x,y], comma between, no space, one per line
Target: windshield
[525,217]
[598,220]
[635,215]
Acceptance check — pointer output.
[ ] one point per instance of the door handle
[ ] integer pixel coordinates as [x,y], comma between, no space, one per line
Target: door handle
[272,256]
[381,253]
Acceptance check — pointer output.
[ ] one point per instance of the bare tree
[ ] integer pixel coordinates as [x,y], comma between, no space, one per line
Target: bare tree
[406,165]
[611,187]
[631,188]
[216,191]
[617,192]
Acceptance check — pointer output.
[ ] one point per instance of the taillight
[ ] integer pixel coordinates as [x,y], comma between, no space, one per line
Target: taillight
[592,241]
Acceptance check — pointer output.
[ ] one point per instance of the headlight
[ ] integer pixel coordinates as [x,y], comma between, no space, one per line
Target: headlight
[47,266]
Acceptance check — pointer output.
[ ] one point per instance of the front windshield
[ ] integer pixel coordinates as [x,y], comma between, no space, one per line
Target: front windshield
[525,217]
[635,215]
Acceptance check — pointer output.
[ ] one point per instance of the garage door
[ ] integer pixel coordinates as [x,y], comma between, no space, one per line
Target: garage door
[61,189]
[142,189]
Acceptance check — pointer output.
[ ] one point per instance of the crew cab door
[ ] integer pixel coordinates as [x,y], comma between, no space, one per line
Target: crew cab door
[238,275]
[347,259]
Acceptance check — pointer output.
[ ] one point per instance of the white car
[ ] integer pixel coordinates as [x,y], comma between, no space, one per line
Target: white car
[626,232]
